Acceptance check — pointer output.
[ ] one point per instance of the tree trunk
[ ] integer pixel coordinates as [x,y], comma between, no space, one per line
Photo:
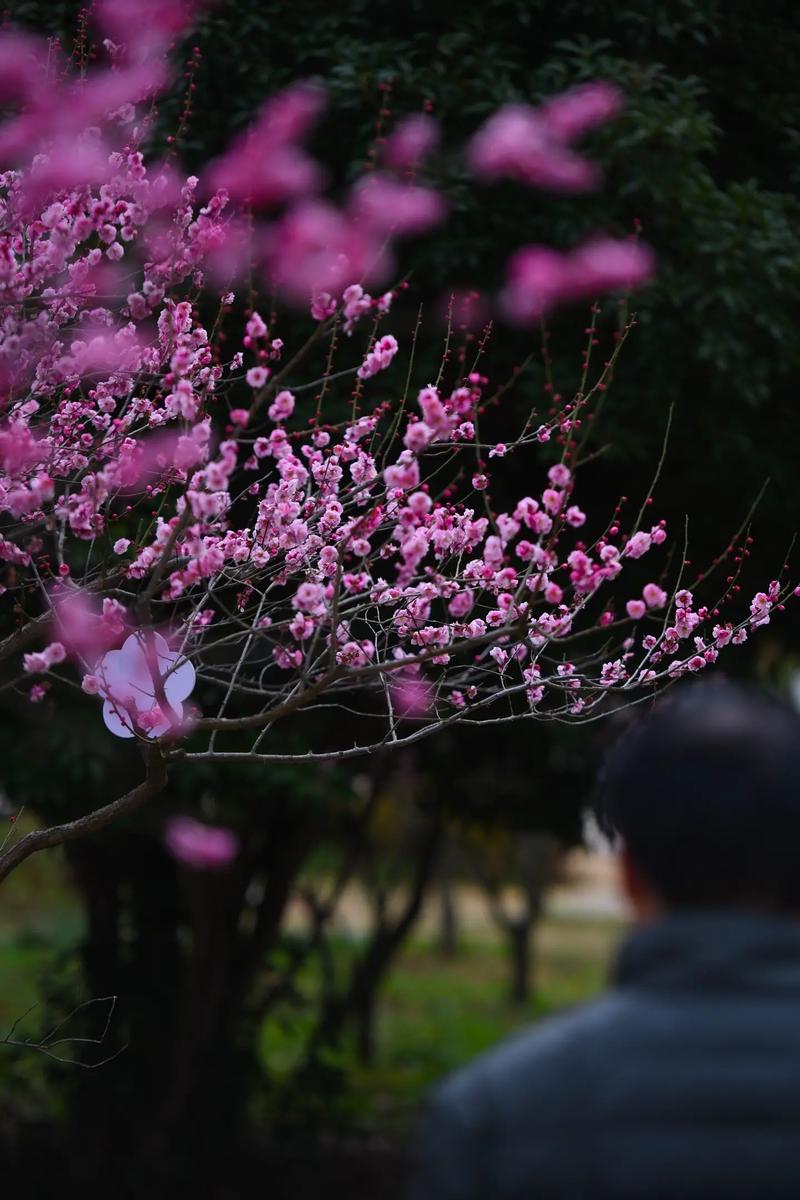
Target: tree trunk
[448,918]
[448,910]
[365,1030]
[213,1052]
[519,936]
[357,1004]
[95,875]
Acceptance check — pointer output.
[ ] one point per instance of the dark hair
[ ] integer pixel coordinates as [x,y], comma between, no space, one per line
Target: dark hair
[705,793]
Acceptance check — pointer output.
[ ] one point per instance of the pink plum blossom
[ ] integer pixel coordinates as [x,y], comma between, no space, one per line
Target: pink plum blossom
[760,607]
[552,500]
[282,406]
[45,659]
[637,545]
[559,475]
[323,305]
[379,357]
[257,376]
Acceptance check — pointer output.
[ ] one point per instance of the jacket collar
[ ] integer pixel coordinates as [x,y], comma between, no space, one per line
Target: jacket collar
[713,950]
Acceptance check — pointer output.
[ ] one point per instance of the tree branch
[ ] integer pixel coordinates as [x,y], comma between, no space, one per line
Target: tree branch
[160,568]
[43,839]
[24,637]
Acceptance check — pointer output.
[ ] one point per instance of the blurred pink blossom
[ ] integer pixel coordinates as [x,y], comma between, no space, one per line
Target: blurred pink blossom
[85,629]
[410,141]
[55,115]
[23,67]
[532,145]
[316,248]
[574,112]
[67,164]
[144,26]
[202,847]
[605,264]
[515,143]
[145,461]
[386,206]
[264,165]
[540,278]
[412,695]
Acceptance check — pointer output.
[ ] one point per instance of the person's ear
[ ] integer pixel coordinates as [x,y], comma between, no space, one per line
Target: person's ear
[643,899]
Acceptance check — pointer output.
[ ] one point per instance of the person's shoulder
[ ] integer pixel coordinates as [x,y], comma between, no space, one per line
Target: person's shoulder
[530,1091]
[540,1060]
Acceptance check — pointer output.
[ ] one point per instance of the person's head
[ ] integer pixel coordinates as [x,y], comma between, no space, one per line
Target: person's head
[704,793]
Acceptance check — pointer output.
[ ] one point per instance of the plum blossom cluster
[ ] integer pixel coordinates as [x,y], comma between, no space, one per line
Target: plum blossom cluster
[179,521]
[379,357]
[350,574]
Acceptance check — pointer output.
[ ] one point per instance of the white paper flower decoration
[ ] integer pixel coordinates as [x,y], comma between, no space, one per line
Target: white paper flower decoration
[129,680]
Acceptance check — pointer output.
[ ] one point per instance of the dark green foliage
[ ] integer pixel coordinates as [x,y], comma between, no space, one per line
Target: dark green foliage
[705,155]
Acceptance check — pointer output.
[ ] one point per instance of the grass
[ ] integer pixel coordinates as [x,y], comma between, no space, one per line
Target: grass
[439,1013]
[39,918]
